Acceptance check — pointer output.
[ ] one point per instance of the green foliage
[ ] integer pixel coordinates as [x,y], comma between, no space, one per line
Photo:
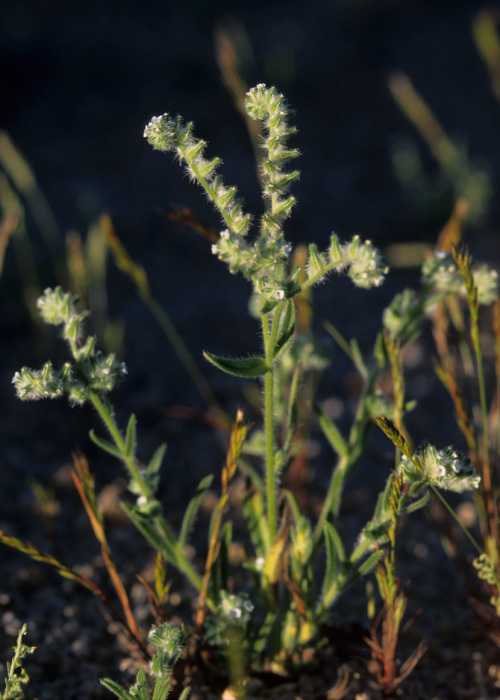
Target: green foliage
[169,643]
[282,606]
[16,674]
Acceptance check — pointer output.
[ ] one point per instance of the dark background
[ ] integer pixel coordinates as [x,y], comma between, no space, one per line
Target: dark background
[80,80]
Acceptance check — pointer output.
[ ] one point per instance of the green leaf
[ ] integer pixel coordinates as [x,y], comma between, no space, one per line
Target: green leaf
[105,445]
[365,567]
[331,432]
[253,507]
[286,331]
[269,305]
[156,460]
[294,505]
[239,367]
[357,358]
[192,510]
[115,688]
[379,351]
[334,556]
[149,532]
[414,505]
[223,558]
[292,414]
[272,564]
[140,687]
[130,438]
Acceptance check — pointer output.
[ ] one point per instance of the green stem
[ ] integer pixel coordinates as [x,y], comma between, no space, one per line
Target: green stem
[207,187]
[269,337]
[312,280]
[482,390]
[347,462]
[107,417]
[487,476]
[450,510]
[108,420]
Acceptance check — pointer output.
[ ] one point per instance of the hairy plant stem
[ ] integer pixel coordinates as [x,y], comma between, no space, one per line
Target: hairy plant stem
[206,186]
[269,337]
[106,415]
[488,485]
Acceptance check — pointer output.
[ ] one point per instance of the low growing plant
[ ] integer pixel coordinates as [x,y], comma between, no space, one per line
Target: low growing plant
[16,674]
[457,295]
[283,602]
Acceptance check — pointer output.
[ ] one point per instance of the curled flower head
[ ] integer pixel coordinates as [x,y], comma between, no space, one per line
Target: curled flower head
[366,267]
[446,469]
[164,132]
[57,307]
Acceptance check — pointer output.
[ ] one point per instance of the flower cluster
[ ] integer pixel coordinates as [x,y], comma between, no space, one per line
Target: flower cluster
[486,571]
[165,133]
[366,267]
[92,371]
[441,273]
[362,261]
[59,308]
[264,259]
[446,469]
[233,610]
[269,106]
[169,641]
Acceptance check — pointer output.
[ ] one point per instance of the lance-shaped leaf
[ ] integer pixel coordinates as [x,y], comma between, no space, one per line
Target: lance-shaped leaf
[105,445]
[192,510]
[292,414]
[239,367]
[253,507]
[272,564]
[331,432]
[364,568]
[223,556]
[115,688]
[156,460]
[130,438]
[335,556]
[151,534]
[286,331]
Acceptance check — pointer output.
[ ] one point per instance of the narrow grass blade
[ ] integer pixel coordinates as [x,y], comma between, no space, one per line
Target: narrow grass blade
[84,483]
[39,555]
